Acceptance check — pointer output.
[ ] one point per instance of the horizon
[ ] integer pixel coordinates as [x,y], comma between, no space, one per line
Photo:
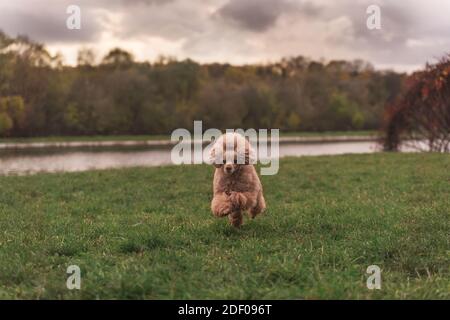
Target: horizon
[98,59]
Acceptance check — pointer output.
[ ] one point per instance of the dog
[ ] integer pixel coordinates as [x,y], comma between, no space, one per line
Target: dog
[236,186]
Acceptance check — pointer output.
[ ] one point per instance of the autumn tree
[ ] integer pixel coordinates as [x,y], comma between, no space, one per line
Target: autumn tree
[122,96]
[420,117]
[12,111]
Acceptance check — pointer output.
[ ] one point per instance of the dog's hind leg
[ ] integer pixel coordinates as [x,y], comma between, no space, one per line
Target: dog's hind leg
[236,218]
[260,206]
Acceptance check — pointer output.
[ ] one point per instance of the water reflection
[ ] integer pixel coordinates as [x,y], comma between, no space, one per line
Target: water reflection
[29,161]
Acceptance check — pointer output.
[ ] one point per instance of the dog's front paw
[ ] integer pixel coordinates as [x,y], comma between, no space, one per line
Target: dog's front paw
[238,200]
[222,209]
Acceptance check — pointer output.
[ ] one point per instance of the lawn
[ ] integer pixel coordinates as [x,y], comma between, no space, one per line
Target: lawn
[148,232]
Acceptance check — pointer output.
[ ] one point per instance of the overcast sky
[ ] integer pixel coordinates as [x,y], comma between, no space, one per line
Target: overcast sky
[240,31]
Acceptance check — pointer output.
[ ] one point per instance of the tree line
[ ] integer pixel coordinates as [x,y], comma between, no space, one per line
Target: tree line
[40,96]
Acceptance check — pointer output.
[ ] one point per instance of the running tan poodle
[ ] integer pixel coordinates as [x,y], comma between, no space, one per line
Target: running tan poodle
[236,185]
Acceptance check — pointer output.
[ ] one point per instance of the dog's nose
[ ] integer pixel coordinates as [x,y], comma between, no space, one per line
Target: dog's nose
[228,168]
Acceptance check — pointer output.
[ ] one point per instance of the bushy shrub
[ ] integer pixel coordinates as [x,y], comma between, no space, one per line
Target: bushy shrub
[420,117]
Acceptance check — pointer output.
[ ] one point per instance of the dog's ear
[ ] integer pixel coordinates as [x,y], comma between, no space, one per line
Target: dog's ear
[250,156]
[214,159]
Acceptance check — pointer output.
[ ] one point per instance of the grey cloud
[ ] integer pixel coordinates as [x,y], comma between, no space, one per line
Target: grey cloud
[45,20]
[397,26]
[260,15]
[243,30]
[255,15]
[173,21]
[146,2]
[389,45]
[403,26]
[48,27]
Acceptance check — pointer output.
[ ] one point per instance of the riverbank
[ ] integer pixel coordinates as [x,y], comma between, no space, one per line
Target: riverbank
[22,161]
[147,233]
[161,141]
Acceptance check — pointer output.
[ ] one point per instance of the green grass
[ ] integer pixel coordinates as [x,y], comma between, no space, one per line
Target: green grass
[167,137]
[148,232]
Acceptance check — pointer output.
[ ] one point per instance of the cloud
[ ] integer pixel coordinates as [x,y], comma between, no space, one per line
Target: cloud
[49,26]
[260,15]
[172,21]
[240,31]
[254,15]
[146,2]
[45,20]
[346,33]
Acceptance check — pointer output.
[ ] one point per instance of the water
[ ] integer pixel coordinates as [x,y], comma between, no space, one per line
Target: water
[30,161]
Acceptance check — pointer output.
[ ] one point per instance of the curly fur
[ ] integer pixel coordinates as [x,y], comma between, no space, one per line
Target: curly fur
[237,188]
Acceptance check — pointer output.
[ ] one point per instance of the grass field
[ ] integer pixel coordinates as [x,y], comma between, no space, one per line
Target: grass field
[167,137]
[148,232]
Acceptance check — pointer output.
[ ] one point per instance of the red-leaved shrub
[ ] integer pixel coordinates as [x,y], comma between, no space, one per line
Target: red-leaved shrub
[420,116]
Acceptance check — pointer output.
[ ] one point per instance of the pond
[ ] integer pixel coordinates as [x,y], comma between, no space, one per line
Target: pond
[34,160]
